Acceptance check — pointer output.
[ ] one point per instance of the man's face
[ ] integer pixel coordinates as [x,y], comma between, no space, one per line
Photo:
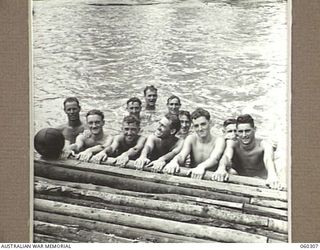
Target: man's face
[72,110]
[130,131]
[163,130]
[95,124]
[246,133]
[185,124]
[201,126]
[134,108]
[151,98]
[174,106]
[230,132]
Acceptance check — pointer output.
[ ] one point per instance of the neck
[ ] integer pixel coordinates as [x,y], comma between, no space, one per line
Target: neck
[74,123]
[97,136]
[249,146]
[150,107]
[206,139]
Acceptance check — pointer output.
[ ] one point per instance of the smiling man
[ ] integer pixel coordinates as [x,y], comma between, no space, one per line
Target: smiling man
[74,126]
[151,96]
[248,155]
[125,146]
[205,149]
[161,146]
[173,104]
[91,141]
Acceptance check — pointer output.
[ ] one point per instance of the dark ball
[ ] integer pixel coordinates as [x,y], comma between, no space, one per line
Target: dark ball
[49,143]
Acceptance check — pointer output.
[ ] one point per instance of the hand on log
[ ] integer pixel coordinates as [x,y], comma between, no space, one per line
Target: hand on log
[67,153]
[197,172]
[172,167]
[156,166]
[273,182]
[220,175]
[122,160]
[84,156]
[98,158]
[141,162]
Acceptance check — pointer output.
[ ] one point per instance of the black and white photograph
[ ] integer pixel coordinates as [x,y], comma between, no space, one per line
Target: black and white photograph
[161,121]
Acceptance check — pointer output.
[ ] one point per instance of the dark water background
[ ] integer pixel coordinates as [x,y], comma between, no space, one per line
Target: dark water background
[228,56]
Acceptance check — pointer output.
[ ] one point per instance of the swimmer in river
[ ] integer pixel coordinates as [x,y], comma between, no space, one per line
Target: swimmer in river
[173,104]
[74,126]
[134,107]
[161,146]
[150,95]
[91,141]
[125,146]
[205,149]
[248,156]
[185,121]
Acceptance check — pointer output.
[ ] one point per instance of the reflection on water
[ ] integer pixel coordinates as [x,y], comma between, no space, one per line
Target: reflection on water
[224,55]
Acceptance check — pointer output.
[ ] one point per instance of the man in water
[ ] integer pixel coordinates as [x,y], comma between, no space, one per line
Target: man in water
[173,104]
[124,146]
[230,129]
[74,126]
[134,107]
[205,149]
[91,141]
[161,146]
[185,121]
[150,95]
[248,156]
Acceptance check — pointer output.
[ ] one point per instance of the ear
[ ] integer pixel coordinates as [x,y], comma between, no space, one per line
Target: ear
[223,130]
[103,122]
[173,131]
[79,107]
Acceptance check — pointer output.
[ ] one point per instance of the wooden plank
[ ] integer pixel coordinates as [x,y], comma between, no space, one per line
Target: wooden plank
[174,180]
[204,211]
[269,203]
[78,234]
[42,238]
[168,215]
[118,230]
[148,223]
[123,183]
[266,211]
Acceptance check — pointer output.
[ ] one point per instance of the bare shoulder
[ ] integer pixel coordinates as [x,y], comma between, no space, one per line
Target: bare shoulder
[191,139]
[62,127]
[117,138]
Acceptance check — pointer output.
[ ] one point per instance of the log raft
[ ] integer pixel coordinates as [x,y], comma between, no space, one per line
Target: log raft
[86,202]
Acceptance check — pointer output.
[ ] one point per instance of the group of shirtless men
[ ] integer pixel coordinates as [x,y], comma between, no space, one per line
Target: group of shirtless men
[172,144]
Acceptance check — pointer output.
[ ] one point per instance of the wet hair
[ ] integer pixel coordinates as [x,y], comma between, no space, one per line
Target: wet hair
[200,112]
[186,113]
[95,112]
[149,87]
[229,121]
[131,119]
[173,97]
[174,122]
[71,99]
[134,99]
[245,119]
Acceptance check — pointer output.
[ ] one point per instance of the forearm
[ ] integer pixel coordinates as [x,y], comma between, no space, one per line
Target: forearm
[94,149]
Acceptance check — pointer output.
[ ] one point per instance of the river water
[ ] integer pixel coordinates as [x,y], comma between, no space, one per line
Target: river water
[228,56]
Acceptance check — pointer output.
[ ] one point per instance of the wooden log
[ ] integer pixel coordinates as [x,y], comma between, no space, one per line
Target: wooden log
[265,211]
[169,215]
[198,231]
[118,230]
[75,233]
[164,197]
[204,211]
[269,203]
[61,173]
[278,225]
[178,181]
[42,238]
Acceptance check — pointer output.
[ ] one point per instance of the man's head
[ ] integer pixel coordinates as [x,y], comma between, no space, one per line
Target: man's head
[168,126]
[150,95]
[173,104]
[130,128]
[134,106]
[95,121]
[72,108]
[245,129]
[230,129]
[201,122]
[185,121]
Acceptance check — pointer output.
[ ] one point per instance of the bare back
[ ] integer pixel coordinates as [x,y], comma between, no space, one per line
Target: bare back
[70,133]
